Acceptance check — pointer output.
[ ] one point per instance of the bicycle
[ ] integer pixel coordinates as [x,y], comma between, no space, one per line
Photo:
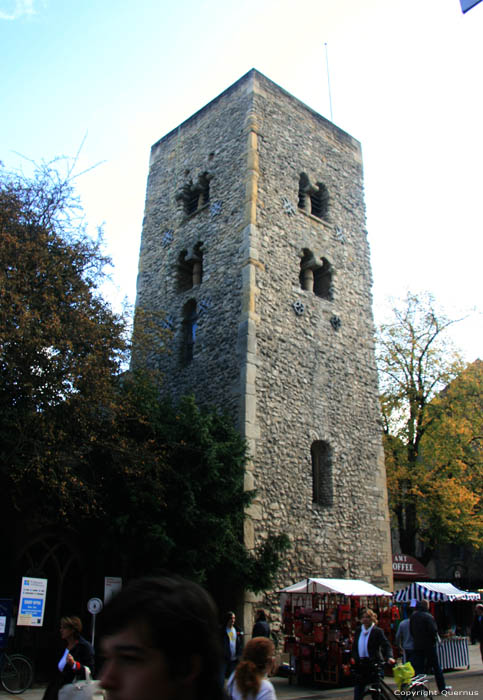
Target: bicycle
[16,672]
[377,689]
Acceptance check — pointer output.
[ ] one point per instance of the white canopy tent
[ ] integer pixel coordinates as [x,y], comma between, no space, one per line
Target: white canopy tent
[341,586]
[436,592]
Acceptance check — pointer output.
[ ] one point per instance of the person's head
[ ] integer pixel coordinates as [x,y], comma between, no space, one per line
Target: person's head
[70,627]
[230,618]
[368,617]
[479,609]
[256,662]
[423,605]
[261,616]
[160,641]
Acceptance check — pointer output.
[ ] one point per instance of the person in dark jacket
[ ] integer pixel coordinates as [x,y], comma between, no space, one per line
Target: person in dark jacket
[261,628]
[477,628]
[78,655]
[424,631]
[232,641]
[370,645]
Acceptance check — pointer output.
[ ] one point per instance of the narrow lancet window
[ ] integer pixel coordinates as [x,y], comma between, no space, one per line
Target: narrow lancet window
[322,477]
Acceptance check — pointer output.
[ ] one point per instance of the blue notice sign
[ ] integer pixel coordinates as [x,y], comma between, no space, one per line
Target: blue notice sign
[32,602]
[5,614]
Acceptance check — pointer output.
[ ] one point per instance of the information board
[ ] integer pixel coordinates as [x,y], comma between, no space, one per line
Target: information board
[5,613]
[112,585]
[32,602]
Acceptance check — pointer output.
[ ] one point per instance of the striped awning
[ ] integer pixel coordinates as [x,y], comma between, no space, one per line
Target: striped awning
[437,592]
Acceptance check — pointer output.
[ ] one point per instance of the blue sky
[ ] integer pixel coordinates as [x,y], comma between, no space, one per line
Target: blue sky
[405,80]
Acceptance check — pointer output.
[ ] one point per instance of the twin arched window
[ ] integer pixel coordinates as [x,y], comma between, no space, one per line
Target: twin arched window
[313,199]
[190,268]
[316,275]
[195,195]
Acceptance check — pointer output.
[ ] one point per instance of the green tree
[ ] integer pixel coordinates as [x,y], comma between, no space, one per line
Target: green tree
[174,485]
[416,363]
[60,346]
[92,448]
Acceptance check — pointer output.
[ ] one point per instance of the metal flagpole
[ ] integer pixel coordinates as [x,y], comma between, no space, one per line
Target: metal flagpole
[328,79]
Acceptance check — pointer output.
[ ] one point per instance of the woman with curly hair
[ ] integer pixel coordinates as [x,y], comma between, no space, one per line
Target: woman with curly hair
[249,680]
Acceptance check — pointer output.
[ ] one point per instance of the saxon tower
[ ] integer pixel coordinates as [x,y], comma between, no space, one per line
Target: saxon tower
[254,248]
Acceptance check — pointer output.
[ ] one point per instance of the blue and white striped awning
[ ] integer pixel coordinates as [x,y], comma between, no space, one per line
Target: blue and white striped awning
[437,592]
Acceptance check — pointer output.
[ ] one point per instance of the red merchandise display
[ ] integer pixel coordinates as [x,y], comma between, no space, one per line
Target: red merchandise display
[319,617]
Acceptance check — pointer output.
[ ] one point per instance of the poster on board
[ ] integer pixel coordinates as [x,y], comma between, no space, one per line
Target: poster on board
[6,605]
[32,602]
[112,585]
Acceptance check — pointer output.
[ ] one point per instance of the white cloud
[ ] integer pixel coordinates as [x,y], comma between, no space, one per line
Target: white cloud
[16,8]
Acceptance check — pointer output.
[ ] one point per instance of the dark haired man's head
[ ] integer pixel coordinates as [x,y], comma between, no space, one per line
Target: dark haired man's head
[161,642]
[230,618]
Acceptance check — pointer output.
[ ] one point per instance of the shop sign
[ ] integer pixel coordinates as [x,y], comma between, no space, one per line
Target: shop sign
[408,568]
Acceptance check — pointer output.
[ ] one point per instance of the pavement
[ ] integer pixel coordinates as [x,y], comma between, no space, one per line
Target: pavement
[465,682]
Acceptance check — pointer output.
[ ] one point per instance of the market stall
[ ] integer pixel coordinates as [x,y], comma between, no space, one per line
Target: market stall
[319,616]
[453,648]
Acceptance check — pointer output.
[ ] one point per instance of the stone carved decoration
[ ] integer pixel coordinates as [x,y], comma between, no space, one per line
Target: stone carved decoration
[288,206]
[335,322]
[298,307]
[216,207]
[168,323]
[340,235]
[167,238]
[205,305]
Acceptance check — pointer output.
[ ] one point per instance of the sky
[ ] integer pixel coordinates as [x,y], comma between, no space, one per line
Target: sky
[105,79]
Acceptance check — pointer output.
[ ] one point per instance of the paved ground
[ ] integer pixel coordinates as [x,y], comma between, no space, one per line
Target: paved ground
[466,685]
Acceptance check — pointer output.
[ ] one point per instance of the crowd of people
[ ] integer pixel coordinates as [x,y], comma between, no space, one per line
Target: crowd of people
[160,639]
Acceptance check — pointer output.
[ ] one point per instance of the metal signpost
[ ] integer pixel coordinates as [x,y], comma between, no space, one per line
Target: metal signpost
[94,606]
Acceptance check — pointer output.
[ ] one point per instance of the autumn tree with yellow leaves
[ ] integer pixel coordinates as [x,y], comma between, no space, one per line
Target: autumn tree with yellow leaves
[432,419]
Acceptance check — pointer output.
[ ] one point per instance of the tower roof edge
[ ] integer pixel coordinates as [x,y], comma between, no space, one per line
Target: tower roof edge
[257,77]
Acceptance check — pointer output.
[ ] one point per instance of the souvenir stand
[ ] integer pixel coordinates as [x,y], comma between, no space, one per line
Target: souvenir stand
[453,648]
[319,616]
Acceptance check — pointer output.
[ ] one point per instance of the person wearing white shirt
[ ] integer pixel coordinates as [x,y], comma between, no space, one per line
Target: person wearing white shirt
[370,646]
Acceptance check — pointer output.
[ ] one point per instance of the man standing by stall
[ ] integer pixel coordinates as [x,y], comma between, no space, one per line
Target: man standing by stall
[425,635]
[370,646]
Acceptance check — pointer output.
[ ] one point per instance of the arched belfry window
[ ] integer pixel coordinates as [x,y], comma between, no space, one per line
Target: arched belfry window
[313,199]
[194,195]
[190,325]
[316,275]
[190,268]
[322,476]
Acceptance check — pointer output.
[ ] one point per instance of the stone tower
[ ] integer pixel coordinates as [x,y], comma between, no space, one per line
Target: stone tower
[254,247]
